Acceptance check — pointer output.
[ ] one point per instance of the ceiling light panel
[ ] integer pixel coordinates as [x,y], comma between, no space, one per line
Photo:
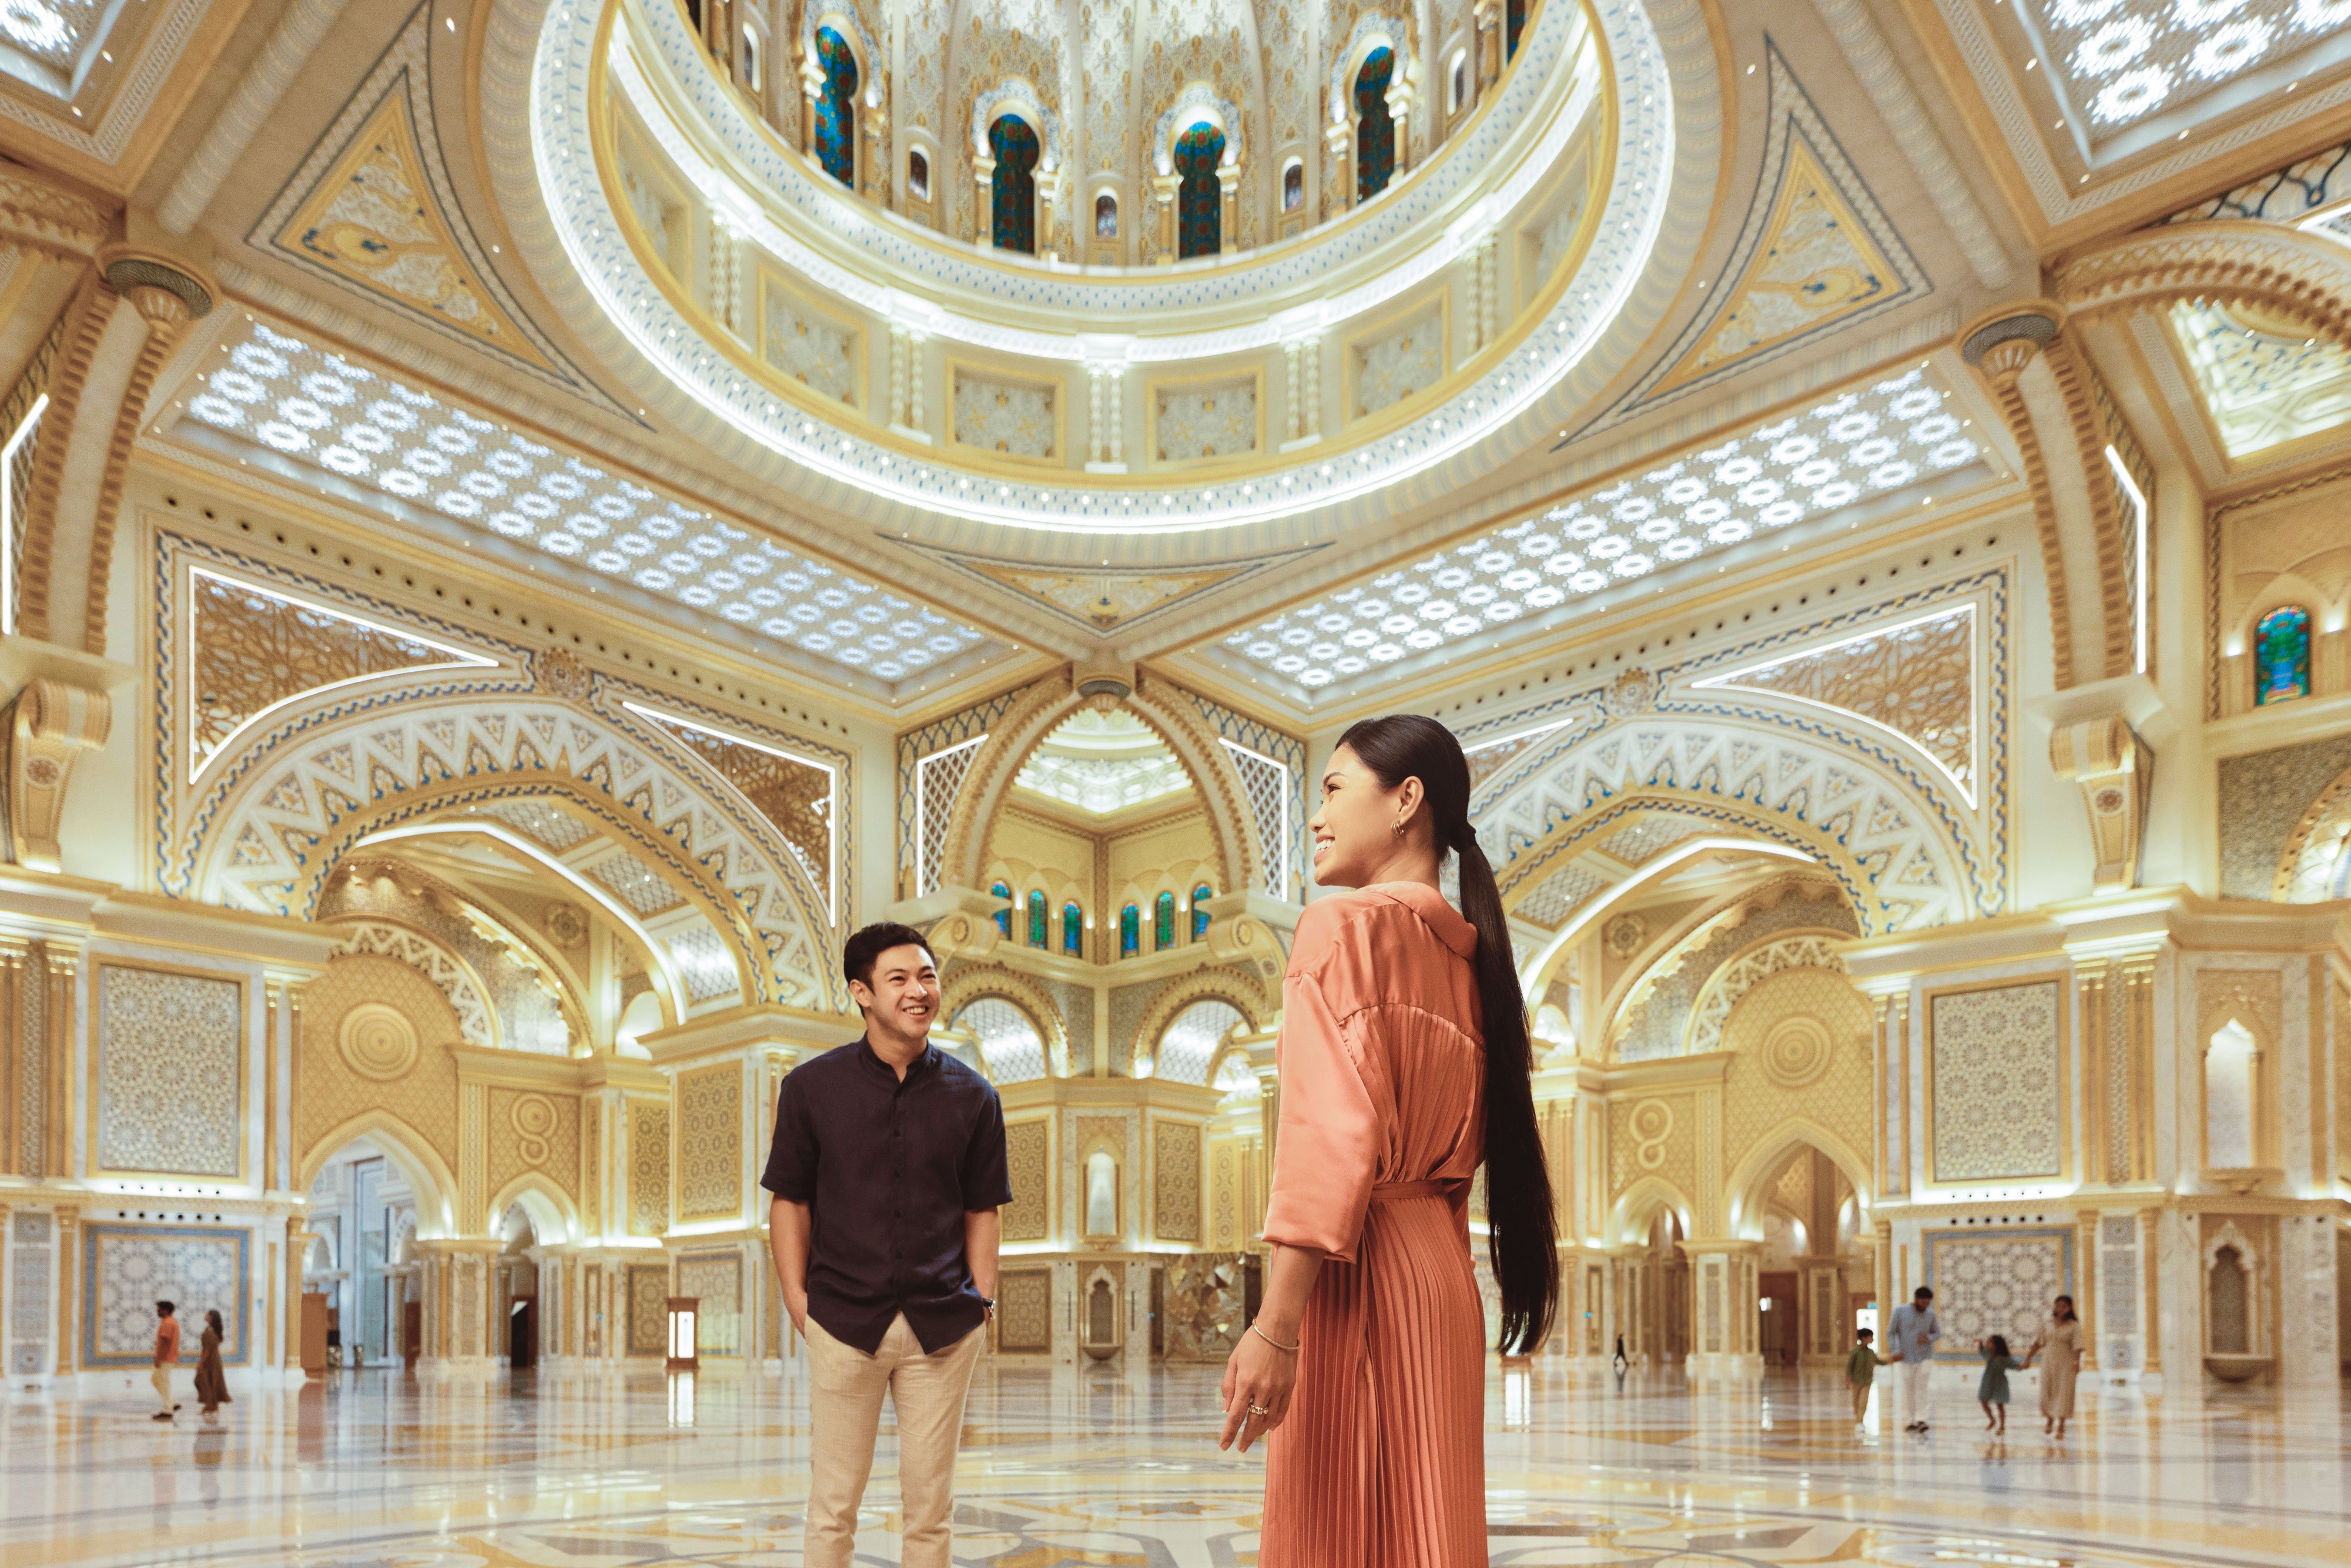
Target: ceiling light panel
[1102,785]
[1723,501]
[2123,63]
[360,430]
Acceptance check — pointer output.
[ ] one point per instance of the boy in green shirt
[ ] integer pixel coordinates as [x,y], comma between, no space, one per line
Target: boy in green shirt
[1860,1372]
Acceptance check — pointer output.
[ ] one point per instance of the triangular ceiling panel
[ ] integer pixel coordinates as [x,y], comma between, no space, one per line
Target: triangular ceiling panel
[1104,601]
[1815,253]
[371,209]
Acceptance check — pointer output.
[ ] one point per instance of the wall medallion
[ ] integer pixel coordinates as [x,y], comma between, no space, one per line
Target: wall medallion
[377,1042]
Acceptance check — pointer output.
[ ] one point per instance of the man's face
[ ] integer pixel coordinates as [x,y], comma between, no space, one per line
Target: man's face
[903,995]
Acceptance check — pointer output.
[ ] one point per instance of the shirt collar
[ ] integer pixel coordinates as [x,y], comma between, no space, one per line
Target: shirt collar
[914,1069]
[1448,924]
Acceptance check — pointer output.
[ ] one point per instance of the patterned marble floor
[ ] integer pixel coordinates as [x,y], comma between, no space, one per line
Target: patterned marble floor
[1095,1468]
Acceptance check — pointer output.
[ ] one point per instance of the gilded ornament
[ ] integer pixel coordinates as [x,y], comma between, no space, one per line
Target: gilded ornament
[377,1042]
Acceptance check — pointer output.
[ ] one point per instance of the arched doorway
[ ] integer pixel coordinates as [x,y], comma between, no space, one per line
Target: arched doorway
[1811,1282]
[366,1198]
[518,1288]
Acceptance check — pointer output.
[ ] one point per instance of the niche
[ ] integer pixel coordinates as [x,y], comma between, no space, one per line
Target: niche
[1101,1197]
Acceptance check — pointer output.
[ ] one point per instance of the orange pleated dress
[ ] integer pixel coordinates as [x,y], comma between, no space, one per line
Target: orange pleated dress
[1382,1462]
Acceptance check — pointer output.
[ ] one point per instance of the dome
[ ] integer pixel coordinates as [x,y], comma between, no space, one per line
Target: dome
[1107,270]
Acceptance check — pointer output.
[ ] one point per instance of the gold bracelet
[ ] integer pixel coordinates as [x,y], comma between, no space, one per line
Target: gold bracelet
[1277,1344]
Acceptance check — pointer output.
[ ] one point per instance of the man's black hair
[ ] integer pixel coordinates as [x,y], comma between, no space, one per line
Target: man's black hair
[1865,1333]
[166,1308]
[1922,1290]
[857,956]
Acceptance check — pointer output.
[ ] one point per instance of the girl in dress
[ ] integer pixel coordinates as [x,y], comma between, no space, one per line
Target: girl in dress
[1404,1065]
[1992,1392]
[212,1382]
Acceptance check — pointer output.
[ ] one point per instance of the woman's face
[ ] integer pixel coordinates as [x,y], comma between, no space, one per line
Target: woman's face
[2064,1309]
[1354,831]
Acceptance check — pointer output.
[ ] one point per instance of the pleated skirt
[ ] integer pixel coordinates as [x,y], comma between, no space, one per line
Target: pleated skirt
[1382,1462]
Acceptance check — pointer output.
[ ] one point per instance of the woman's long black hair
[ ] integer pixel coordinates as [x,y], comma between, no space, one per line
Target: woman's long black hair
[1522,1231]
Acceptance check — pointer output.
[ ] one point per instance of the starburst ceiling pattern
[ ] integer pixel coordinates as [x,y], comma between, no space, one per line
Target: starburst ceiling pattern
[365,434]
[1867,443]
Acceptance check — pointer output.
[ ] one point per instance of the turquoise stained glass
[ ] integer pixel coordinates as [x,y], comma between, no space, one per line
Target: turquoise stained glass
[2282,655]
[1038,935]
[1515,23]
[836,106]
[1162,923]
[1003,916]
[1013,198]
[1130,932]
[1199,198]
[1200,896]
[1375,126]
[1073,931]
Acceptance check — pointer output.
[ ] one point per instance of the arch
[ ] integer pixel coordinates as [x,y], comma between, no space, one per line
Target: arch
[2284,272]
[1003,890]
[1024,727]
[1200,917]
[1073,930]
[1811,947]
[1014,150]
[1014,95]
[1375,127]
[1230,987]
[549,1209]
[969,984]
[2281,654]
[1040,928]
[427,1174]
[1762,1163]
[1638,1206]
[1199,194]
[1130,930]
[834,110]
[1163,920]
[2315,865]
[272,823]
[1369,33]
[469,998]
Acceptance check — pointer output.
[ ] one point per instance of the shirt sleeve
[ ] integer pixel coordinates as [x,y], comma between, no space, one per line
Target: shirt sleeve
[985,1181]
[1327,1148]
[792,1155]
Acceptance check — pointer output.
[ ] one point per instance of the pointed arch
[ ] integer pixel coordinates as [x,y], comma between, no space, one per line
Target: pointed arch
[1231,987]
[2287,273]
[972,982]
[551,1212]
[1638,1206]
[427,1174]
[1762,1163]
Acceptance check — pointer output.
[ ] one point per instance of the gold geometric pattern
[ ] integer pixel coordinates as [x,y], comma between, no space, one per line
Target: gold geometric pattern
[252,649]
[1104,600]
[1026,1316]
[171,1054]
[1029,1216]
[371,220]
[1653,1136]
[710,1142]
[648,1168]
[1817,265]
[1916,679]
[794,794]
[424,1100]
[1175,1181]
[648,1285]
[1995,1073]
[1835,1025]
[533,1132]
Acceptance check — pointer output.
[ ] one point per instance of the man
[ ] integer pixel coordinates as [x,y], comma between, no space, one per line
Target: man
[887,1170]
[167,1355]
[1915,1332]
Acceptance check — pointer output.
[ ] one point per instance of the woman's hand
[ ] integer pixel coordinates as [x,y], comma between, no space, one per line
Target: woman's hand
[1258,1376]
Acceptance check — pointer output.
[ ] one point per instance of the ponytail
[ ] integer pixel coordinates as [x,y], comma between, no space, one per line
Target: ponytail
[1522,1231]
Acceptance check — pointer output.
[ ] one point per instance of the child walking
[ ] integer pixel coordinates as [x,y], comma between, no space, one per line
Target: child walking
[1992,1392]
[1860,1372]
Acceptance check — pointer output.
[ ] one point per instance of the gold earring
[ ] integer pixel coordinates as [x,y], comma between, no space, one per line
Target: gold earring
[1399,831]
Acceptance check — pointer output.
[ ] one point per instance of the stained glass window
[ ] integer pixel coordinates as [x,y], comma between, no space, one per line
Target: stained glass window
[2282,655]
[1374,127]
[1200,896]
[1130,932]
[1162,923]
[836,106]
[1014,200]
[1105,216]
[1038,935]
[1199,198]
[1515,14]
[1003,916]
[1073,931]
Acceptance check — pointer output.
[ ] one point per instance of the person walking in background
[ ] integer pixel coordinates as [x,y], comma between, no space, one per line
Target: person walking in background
[1915,1329]
[167,1355]
[1991,1393]
[1860,1372]
[888,1168]
[212,1382]
[1403,1062]
[2061,1337]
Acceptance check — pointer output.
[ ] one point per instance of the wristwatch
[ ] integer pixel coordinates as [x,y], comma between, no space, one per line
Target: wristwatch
[989,1302]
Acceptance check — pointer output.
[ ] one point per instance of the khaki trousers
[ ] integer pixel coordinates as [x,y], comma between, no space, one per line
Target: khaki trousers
[162,1381]
[845,1389]
[1860,1400]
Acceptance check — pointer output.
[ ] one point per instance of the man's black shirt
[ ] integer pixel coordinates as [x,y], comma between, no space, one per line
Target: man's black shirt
[888,1168]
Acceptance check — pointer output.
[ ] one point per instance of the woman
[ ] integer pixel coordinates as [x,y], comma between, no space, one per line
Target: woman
[1403,1062]
[2060,1335]
[212,1382]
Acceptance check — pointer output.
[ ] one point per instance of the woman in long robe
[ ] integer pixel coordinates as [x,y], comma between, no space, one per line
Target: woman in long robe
[2061,1338]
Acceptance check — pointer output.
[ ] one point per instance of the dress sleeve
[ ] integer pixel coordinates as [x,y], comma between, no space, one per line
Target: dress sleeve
[1328,1144]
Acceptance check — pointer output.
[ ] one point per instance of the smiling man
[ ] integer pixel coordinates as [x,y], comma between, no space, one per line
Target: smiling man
[887,1171]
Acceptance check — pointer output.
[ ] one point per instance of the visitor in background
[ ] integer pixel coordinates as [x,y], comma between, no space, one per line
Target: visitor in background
[167,1355]
[888,1168]
[1860,1372]
[1404,1064]
[2061,1336]
[1991,1392]
[212,1382]
[1915,1329]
